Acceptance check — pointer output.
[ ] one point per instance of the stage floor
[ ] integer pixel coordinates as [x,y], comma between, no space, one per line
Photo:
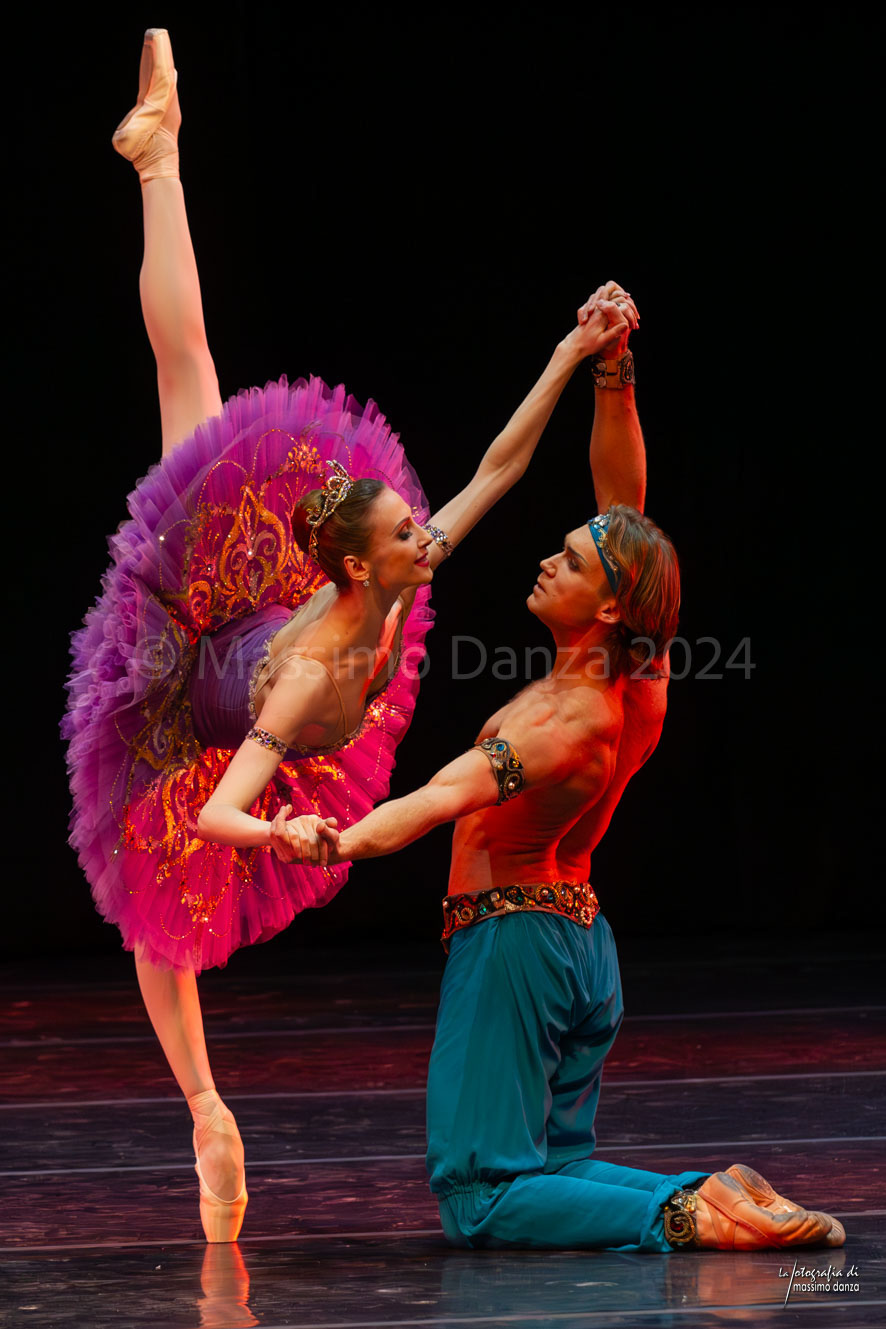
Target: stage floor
[751,1050]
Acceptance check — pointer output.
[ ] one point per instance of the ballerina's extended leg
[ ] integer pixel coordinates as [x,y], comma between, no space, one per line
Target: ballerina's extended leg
[169,285]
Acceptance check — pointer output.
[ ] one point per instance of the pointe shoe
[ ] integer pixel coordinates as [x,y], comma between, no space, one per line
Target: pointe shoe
[221,1219]
[727,1219]
[759,1190]
[148,135]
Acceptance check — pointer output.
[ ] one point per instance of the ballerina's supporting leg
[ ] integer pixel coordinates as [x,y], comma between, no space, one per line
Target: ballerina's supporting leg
[188,388]
[173,1004]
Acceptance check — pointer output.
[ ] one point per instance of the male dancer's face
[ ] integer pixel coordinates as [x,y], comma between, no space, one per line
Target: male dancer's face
[572,589]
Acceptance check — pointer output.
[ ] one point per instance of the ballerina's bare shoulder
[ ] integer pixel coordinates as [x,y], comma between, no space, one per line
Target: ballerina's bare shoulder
[310,646]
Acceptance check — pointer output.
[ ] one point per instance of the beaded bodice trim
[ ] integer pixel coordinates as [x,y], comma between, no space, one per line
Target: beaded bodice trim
[573,900]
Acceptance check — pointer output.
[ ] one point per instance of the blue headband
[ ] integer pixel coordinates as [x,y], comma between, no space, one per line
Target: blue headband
[598,527]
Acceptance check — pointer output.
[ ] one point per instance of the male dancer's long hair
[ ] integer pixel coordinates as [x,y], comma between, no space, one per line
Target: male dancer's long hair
[648,595]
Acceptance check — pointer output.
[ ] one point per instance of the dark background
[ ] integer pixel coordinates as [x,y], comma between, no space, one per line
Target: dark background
[415,202]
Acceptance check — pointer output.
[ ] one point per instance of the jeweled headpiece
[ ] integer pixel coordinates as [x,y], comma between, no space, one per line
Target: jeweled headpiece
[336,487]
[599,529]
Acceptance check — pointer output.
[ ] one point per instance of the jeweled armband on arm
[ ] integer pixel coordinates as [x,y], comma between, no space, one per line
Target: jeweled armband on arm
[506,766]
[440,538]
[265,739]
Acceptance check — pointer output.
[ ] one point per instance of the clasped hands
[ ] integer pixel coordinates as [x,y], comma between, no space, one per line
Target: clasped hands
[605,321]
[308,839]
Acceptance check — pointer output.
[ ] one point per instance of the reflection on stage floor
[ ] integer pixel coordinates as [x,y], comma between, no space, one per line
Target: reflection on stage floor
[756,1055]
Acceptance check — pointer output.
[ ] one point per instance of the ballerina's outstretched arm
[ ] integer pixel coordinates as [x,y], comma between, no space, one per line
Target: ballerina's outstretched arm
[169,283]
[509,454]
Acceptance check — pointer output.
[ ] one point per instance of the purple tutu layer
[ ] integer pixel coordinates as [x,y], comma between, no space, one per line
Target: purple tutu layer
[209,541]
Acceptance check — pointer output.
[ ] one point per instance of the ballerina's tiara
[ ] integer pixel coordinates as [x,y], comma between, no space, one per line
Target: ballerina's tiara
[336,487]
[599,528]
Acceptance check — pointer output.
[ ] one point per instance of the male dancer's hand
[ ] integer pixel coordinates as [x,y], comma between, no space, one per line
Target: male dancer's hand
[605,321]
[611,292]
[307,839]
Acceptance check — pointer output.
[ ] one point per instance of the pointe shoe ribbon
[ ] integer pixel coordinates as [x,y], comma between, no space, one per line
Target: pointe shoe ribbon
[721,1216]
[148,135]
[221,1219]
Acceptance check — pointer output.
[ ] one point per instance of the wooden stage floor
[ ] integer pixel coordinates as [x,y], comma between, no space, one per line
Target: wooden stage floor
[732,1050]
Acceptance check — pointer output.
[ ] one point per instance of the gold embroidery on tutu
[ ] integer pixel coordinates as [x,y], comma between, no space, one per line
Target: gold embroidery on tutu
[238,560]
[182,792]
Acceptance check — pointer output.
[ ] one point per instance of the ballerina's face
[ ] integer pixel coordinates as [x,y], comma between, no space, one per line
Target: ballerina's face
[398,548]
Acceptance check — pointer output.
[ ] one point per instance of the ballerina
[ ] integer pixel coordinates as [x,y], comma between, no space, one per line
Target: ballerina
[251,649]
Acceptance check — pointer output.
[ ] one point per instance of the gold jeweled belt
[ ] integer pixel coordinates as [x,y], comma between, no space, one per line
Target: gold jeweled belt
[570,899]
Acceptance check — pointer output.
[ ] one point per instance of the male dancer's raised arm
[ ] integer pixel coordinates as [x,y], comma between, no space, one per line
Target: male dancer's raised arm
[618,455]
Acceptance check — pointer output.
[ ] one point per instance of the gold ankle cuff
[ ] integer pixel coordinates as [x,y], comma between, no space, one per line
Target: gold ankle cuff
[679,1219]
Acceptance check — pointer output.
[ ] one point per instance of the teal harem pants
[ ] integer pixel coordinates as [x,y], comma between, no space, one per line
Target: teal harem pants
[529,1008]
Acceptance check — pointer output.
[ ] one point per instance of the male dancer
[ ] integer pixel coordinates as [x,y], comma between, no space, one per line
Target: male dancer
[531,999]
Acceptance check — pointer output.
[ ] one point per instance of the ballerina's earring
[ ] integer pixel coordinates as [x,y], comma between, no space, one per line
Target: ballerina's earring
[366,583]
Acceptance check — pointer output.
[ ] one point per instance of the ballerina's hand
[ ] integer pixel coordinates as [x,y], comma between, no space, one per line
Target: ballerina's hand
[306,839]
[618,295]
[605,321]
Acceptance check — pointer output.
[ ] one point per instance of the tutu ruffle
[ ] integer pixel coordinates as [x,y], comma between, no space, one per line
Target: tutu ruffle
[209,541]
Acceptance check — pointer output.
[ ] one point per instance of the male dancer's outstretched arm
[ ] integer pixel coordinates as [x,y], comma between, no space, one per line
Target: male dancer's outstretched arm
[555,750]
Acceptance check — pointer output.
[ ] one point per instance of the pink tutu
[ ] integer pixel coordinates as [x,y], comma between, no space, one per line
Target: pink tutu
[209,542]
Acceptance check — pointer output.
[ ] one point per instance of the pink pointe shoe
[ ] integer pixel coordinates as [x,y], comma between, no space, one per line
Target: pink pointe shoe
[148,135]
[222,1219]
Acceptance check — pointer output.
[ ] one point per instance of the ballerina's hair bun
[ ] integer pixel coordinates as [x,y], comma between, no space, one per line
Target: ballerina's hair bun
[346,531]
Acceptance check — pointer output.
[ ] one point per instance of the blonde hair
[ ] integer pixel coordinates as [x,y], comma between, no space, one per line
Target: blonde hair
[648,595]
